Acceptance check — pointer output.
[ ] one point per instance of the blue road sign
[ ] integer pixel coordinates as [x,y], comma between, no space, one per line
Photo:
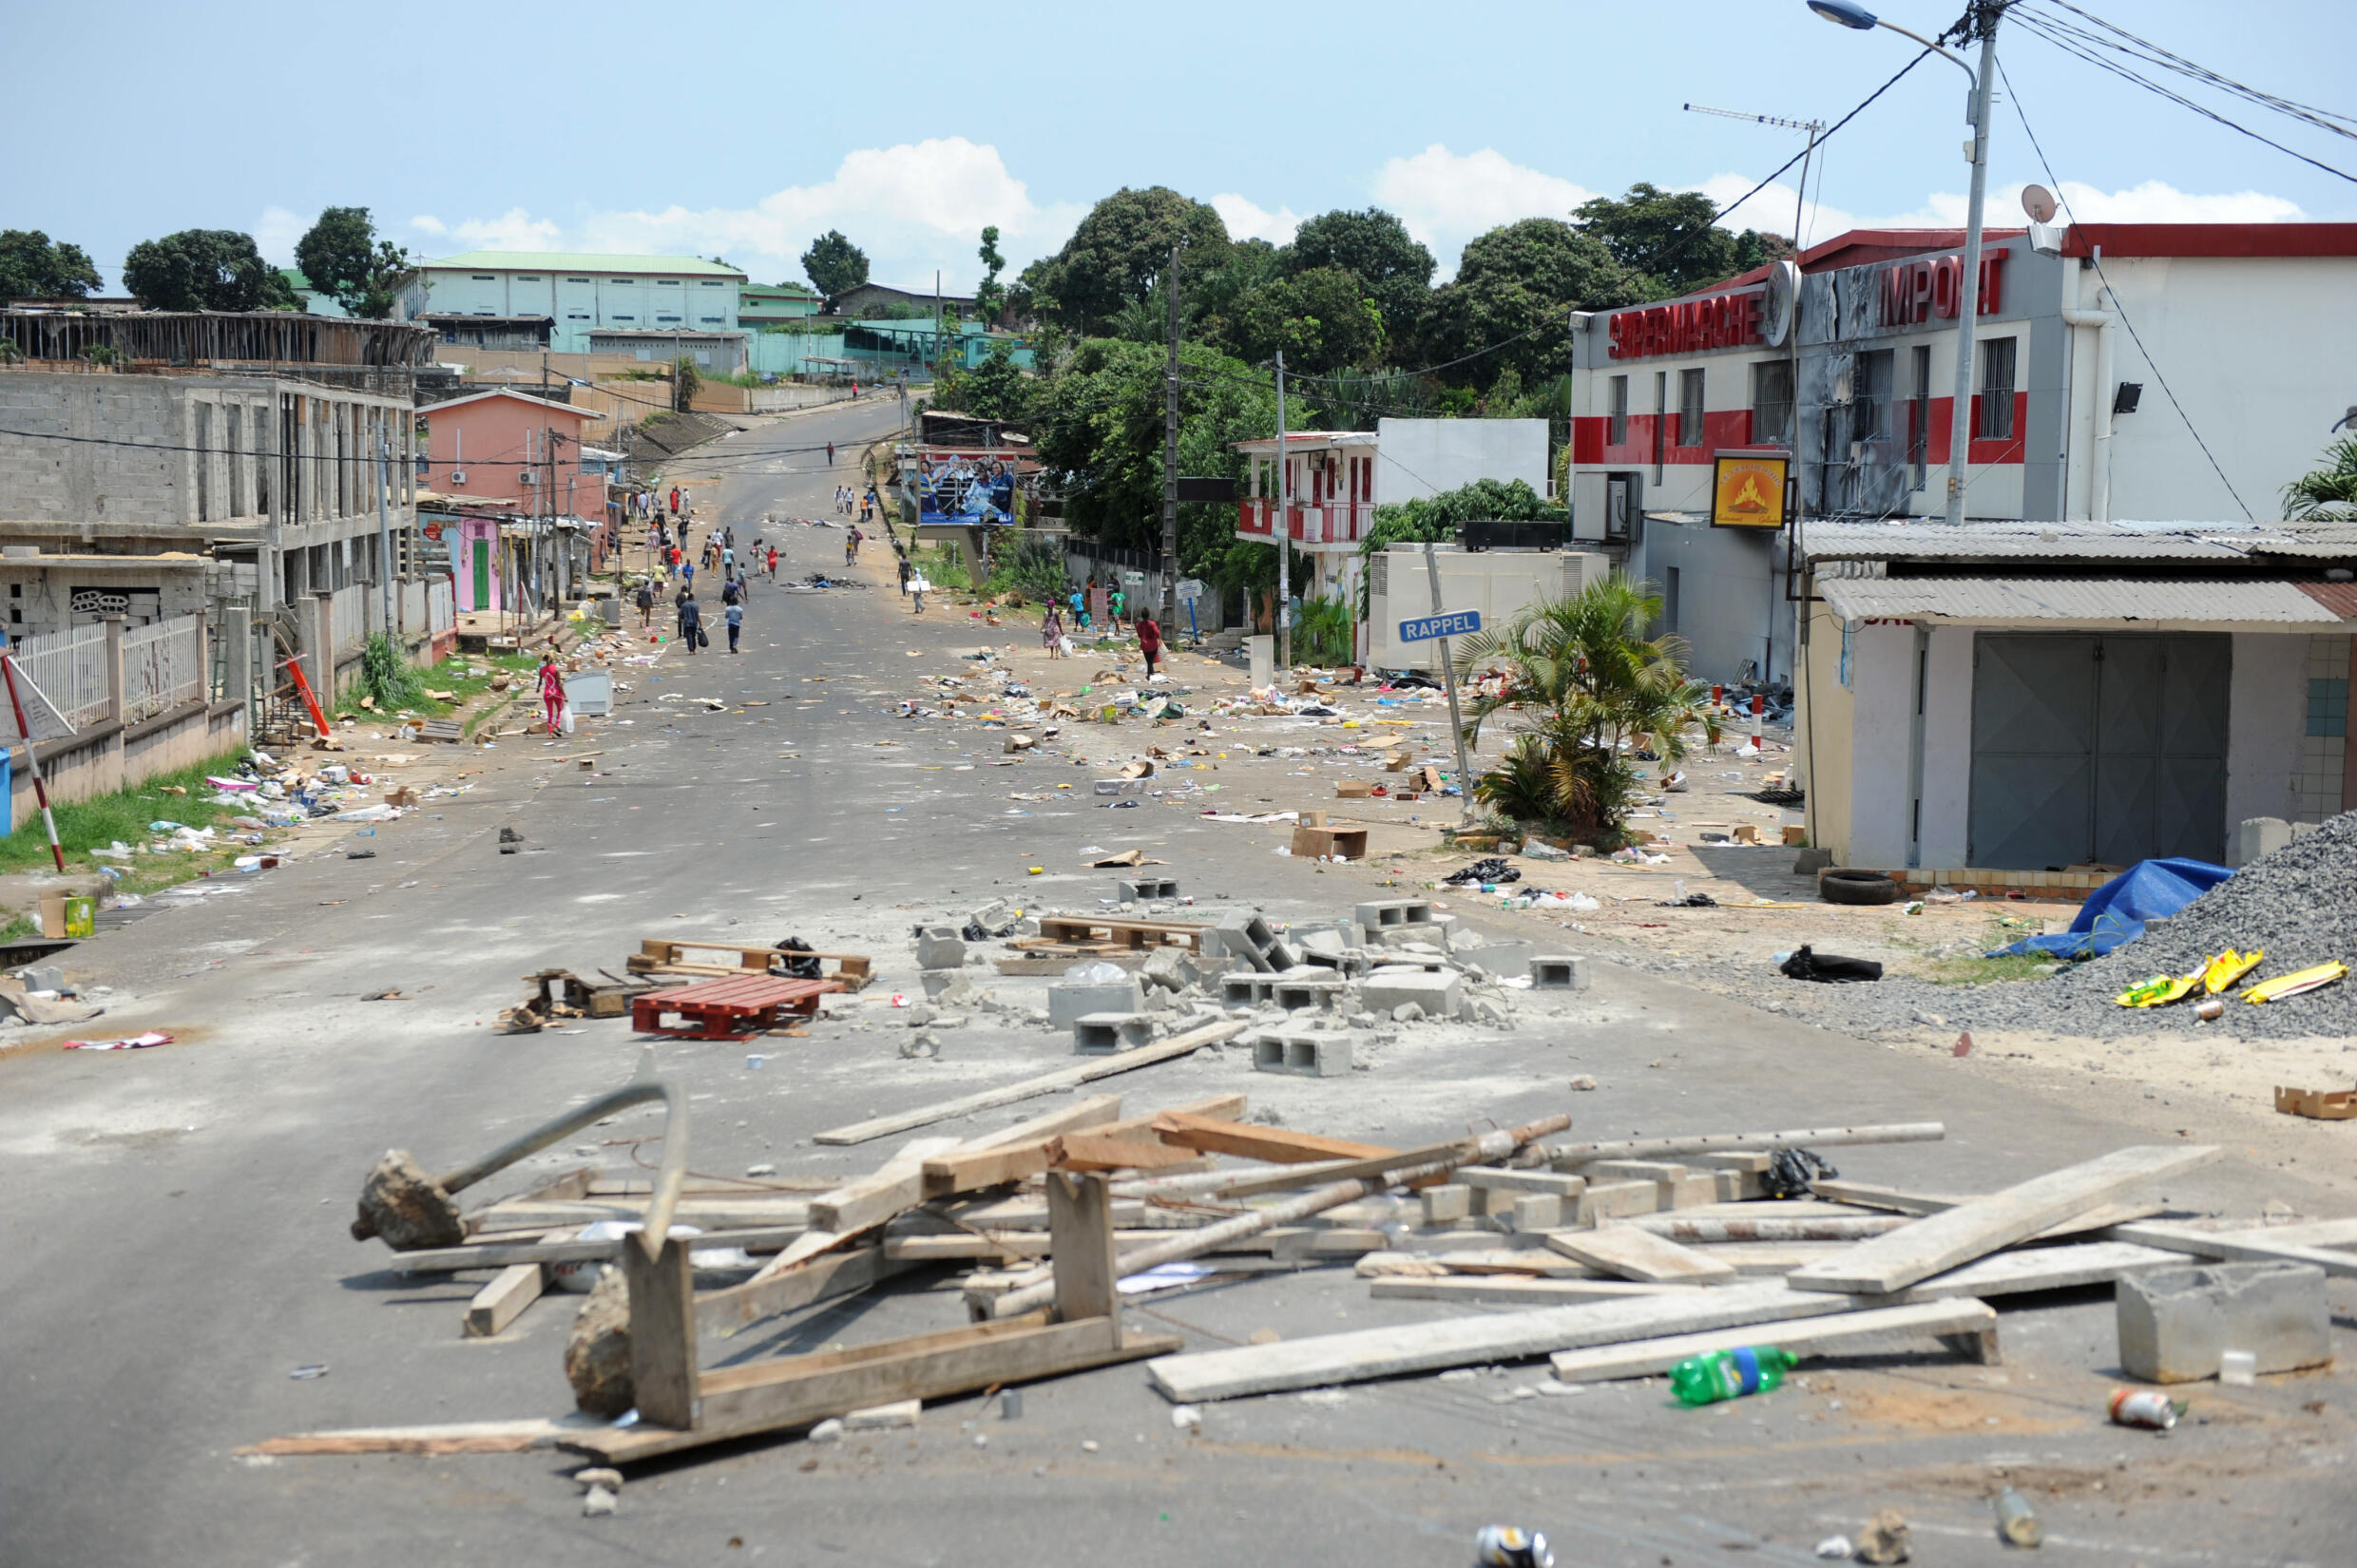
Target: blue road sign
[1455,624]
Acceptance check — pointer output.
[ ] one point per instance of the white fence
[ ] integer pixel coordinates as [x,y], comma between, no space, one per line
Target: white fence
[349,611]
[70,669]
[162,667]
[441,605]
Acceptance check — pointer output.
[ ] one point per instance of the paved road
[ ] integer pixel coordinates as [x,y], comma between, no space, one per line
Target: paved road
[172,1222]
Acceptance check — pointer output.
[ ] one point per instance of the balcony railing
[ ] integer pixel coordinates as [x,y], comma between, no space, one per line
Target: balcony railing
[1335,523]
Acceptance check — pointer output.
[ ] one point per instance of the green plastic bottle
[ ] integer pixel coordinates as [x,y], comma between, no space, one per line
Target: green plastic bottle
[1729,1375]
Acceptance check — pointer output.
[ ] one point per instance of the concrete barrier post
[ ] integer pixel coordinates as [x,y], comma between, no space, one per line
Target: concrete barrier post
[116,682]
[237,675]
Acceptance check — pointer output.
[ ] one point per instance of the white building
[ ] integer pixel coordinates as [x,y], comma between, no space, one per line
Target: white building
[578,292]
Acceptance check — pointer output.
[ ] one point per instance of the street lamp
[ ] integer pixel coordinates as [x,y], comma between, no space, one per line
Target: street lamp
[1982,22]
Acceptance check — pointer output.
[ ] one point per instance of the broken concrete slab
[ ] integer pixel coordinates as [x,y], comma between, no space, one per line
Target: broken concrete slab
[2174,1324]
[1070,1001]
[1107,1032]
[939,948]
[1388,988]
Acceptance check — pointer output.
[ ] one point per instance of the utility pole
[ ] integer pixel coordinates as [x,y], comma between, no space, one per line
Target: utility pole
[1984,17]
[1284,532]
[1170,458]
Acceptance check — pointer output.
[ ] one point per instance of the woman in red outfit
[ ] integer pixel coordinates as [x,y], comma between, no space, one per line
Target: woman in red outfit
[551,689]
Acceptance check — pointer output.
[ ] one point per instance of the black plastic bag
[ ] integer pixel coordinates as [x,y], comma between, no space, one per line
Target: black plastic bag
[1830,969]
[1792,1172]
[1493,870]
[795,968]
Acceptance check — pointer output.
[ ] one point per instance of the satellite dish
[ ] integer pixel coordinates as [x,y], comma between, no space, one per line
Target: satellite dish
[1777,307]
[2038,203]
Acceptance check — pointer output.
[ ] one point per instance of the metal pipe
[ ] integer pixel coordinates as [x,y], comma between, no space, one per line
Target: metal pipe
[2099,461]
[1968,285]
[1705,1143]
[668,1181]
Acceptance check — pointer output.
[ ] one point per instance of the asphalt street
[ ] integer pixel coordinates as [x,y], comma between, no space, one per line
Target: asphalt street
[173,1243]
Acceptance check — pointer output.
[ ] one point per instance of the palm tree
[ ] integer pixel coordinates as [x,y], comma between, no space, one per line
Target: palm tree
[2330,491]
[1595,690]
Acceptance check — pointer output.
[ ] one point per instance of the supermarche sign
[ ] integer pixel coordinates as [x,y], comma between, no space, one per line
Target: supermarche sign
[1455,624]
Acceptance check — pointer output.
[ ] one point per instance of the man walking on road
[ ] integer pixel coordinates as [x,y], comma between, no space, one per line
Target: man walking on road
[772,562]
[917,589]
[1149,639]
[691,620]
[646,603]
[735,616]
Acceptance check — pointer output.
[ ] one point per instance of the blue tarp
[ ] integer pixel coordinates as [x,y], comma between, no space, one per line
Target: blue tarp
[2117,911]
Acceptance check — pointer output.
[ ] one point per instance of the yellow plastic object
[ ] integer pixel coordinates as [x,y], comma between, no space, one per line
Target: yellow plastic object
[2156,992]
[2296,982]
[2221,972]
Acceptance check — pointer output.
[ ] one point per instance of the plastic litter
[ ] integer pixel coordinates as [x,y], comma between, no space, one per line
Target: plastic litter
[1829,969]
[1729,1375]
[2016,1520]
[1493,870]
[1507,1546]
[133,1043]
[2142,1407]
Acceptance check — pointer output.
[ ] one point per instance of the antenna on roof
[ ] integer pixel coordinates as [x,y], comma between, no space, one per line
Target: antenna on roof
[1812,126]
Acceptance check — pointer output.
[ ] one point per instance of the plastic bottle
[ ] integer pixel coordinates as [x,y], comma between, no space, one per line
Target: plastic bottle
[2016,1520]
[1729,1375]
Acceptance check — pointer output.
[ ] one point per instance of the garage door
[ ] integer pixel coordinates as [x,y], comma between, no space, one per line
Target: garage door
[2097,749]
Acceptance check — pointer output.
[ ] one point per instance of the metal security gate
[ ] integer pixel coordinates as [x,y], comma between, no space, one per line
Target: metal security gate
[2097,749]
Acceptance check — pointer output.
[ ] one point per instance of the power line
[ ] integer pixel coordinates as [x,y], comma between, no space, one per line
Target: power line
[2145,49]
[2119,304]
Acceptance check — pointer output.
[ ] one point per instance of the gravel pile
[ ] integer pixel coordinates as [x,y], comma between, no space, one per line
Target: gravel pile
[2298,906]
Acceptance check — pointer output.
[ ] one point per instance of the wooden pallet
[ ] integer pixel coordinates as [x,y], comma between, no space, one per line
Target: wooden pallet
[727,1009]
[1089,931]
[2321,1104]
[667,955]
[448,731]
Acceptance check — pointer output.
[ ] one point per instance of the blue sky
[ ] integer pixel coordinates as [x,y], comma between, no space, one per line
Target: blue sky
[746,129]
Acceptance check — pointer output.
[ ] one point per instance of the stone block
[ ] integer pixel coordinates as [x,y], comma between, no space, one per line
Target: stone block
[1536,1211]
[1634,1170]
[1604,1200]
[1499,1180]
[939,948]
[1302,1055]
[2176,1323]
[1450,1201]
[1382,914]
[1139,890]
[1243,992]
[1070,1001]
[1316,991]
[1388,988]
[1559,973]
[2259,836]
[1101,1034]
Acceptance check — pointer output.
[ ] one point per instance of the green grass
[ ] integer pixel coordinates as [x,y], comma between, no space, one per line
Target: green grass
[123,817]
[1986,971]
[458,675]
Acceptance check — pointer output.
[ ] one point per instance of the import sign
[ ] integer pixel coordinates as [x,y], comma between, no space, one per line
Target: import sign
[1455,624]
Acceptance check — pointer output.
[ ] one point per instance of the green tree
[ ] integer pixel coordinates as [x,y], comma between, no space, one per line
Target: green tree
[33,266]
[1120,249]
[205,270]
[685,383]
[990,294]
[1669,237]
[833,264]
[343,257]
[1322,319]
[1592,688]
[1436,518]
[1375,247]
[1521,282]
[996,389]
[2329,491]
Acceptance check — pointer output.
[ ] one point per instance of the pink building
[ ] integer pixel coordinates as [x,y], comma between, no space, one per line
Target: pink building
[503,445]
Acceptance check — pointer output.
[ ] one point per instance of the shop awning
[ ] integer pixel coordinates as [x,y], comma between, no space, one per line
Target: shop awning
[2060,603]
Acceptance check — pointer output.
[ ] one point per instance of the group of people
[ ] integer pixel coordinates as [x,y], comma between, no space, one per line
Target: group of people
[859,505]
[1086,603]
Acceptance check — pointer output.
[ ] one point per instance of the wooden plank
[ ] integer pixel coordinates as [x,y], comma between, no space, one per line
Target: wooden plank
[457,1437]
[2042,1269]
[1030,1088]
[1870,1195]
[767,1396]
[1653,1357]
[720,1314]
[1954,1236]
[502,1255]
[1097,1152]
[1096,1111]
[1276,1145]
[1514,1292]
[662,1332]
[1632,1253]
[896,1187]
[1219,1107]
[2234,1247]
[1572,1154]
[1020,1151]
[1080,1228]
[1684,1227]
[710,1213]
[503,1300]
[1395,1349]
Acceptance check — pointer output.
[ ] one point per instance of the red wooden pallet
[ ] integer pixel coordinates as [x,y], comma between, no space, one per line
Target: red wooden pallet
[728,1009]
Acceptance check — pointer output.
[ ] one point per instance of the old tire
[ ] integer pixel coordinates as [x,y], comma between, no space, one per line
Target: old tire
[1841,886]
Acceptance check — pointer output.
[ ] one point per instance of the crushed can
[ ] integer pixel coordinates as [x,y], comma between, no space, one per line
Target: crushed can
[2143,1407]
[1504,1546]
[2016,1520]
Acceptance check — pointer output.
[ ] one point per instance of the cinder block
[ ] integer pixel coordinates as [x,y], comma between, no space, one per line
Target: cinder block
[2176,1323]
[1139,890]
[1103,1033]
[1246,937]
[939,948]
[1120,786]
[1070,1001]
[1425,933]
[1313,992]
[1559,973]
[1243,992]
[1437,994]
[1451,1200]
[1384,914]
[1536,1211]
[1302,1055]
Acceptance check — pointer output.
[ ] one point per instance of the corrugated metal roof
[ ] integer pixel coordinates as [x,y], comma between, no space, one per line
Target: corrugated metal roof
[2082,601]
[2340,597]
[582,261]
[1927,540]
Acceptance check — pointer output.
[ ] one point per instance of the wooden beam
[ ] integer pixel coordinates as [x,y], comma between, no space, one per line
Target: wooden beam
[1975,1228]
[457,1437]
[1047,1084]
[1564,1154]
[894,1188]
[502,1254]
[710,1213]
[1098,1152]
[1680,1227]
[1395,1350]
[1868,1196]
[2244,1247]
[1079,1227]
[1278,1145]
[721,1313]
[1522,1291]
[2042,1269]
[503,1300]
[1632,1253]
[1975,1321]
[1018,1151]
[662,1332]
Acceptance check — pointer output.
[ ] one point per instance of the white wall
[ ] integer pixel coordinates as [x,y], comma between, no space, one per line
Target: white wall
[1728,601]
[2267,719]
[1946,827]
[1420,457]
[1882,685]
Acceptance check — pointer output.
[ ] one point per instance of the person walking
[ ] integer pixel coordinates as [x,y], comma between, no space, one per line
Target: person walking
[551,688]
[917,589]
[1149,639]
[905,569]
[674,499]
[735,616]
[1116,602]
[829,454]
[691,620]
[646,603]
[772,562]
[730,592]
[850,545]
[1051,632]
[687,575]
[728,560]
[1080,610]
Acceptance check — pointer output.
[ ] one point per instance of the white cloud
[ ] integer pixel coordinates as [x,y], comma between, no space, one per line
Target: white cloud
[275,233]
[2153,201]
[912,208]
[1446,198]
[1246,220]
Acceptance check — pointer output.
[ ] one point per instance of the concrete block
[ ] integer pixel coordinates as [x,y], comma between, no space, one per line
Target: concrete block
[1139,890]
[1498,1179]
[1634,1170]
[1617,1200]
[2257,837]
[949,986]
[1451,1200]
[1537,1212]
[1302,1055]
[1165,967]
[1433,934]
[2176,1323]
[1120,786]
[1437,994]
[1316,991]
[1384,914]
[1070,1001]
[1104,1033]
[1245,937]
[1283,955]
[1243,992]
[939,948]
[1559,973]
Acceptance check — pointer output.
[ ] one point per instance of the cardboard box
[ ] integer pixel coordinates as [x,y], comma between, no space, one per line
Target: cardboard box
[68,915]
